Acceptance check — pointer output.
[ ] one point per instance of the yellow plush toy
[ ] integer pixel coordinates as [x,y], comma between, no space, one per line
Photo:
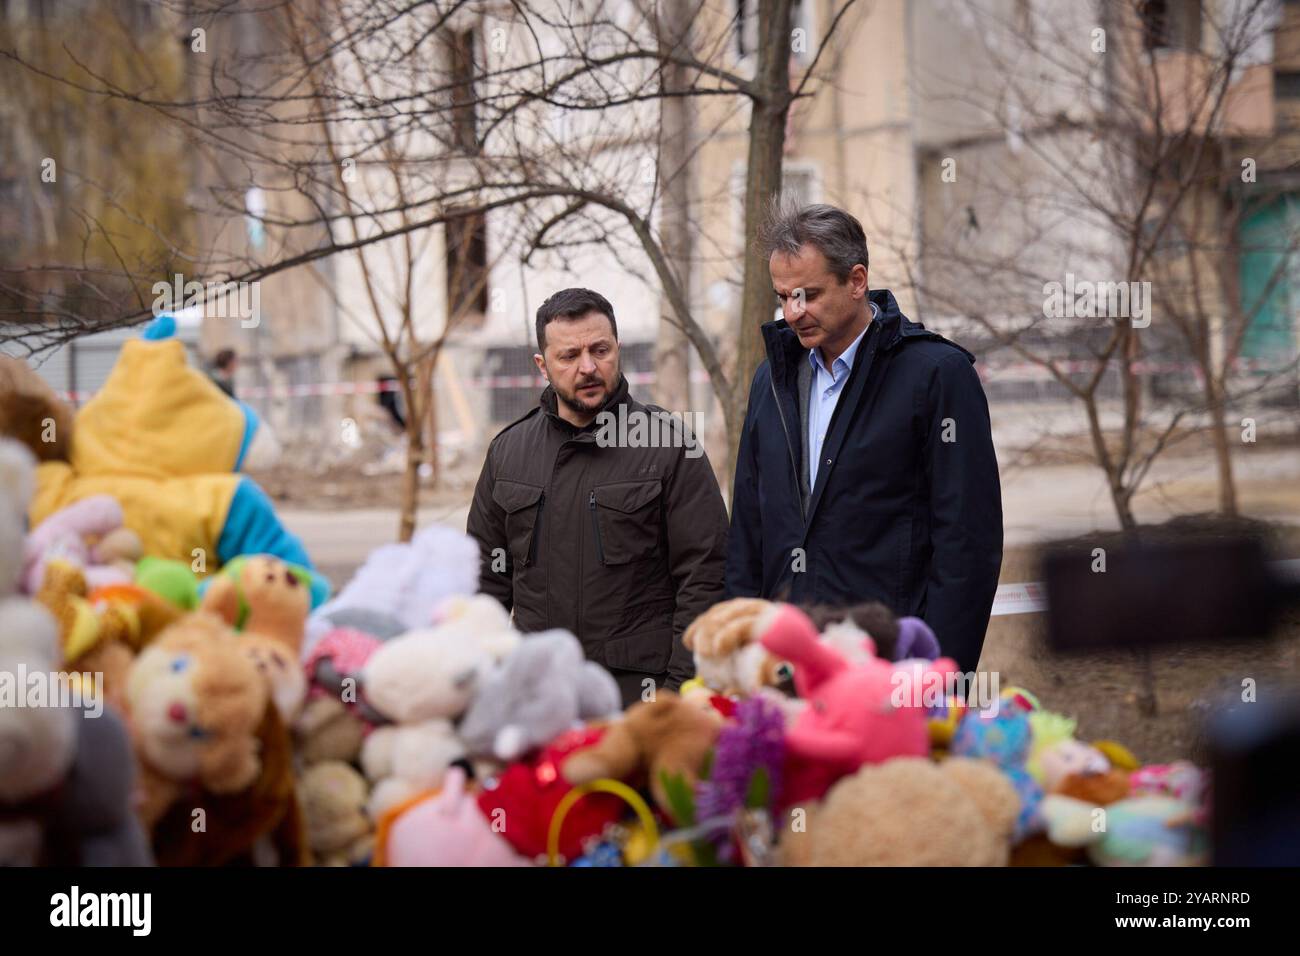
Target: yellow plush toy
[161,440]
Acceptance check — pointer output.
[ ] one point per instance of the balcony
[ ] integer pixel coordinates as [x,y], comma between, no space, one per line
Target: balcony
[1186,84]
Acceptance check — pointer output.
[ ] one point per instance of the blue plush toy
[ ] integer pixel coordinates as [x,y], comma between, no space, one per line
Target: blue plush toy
[1004,738]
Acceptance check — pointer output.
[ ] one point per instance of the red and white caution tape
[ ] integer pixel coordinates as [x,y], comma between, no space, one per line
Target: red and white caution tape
[1028,598]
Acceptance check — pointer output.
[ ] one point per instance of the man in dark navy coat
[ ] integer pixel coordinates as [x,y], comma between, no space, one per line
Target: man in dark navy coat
[866,468]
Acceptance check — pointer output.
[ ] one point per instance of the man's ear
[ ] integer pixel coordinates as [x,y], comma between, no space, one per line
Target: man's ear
[858,280]
[540,362]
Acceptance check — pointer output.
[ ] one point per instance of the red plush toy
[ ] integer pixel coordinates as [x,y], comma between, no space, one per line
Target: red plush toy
[528,793]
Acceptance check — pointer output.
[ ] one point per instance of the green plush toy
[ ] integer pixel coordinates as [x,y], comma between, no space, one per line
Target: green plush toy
[171,580]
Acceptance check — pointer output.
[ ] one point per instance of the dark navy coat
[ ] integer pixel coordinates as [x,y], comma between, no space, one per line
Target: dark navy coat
[907,508]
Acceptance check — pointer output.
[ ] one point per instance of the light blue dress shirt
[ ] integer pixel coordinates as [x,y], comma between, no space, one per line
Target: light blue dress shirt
[827,384]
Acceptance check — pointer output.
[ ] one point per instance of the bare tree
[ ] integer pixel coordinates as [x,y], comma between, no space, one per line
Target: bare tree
[567,110]
[1079,218]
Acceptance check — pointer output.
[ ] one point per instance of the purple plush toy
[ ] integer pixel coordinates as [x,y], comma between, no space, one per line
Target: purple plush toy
[915,640]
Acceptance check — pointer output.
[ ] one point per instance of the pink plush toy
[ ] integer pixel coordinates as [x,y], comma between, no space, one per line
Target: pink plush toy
[859,713]
[88,533]
[449,829]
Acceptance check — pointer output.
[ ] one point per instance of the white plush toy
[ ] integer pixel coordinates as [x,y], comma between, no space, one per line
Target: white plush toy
[400,585]
[421,681]
[63,769]
[37,744]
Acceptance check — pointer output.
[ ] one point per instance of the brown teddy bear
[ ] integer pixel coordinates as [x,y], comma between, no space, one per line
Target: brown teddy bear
[334,797]
[32,413]
[665,735]
[280,669]
[263,596]
[908,811]
[216,759]
[327,729]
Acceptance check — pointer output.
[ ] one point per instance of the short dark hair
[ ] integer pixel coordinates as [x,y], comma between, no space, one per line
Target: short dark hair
[836,234]
[572,304]
[224,358]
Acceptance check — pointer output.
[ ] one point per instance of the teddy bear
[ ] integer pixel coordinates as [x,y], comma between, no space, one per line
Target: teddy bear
[444,829]
[66,771]
[213,750]
[333,802]
[856,714]
[88,533]
[327,729]
[437,671]
[482,617]
[262,595]
[421,681]
[31,413]
[280,669]
[908,811]
[543,687]
[405,759]
[666,735]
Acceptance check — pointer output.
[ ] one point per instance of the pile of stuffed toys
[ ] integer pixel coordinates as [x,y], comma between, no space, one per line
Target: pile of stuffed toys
[238,714]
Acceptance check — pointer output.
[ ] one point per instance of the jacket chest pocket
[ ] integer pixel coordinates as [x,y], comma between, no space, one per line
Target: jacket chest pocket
[625,518]
[523,504]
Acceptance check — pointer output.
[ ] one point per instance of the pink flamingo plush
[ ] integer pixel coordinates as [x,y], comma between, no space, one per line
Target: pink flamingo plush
[856,713]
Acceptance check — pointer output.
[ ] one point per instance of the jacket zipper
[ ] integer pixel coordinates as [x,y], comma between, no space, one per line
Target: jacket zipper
[595,526]
[537,530]
[771,380]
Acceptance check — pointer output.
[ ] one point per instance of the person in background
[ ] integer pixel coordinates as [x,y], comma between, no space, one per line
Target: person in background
[223,371]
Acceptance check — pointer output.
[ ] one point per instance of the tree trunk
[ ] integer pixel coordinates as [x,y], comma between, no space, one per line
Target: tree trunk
[762,184]
[410,501]
[1120,496]
[672,388]
[1222,447]
[432,415]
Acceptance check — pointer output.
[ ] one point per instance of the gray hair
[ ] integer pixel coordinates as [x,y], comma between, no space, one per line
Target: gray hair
[833,232]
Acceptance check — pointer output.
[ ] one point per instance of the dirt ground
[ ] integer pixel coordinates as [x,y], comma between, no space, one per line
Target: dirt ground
[1102,690]
[341,514]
